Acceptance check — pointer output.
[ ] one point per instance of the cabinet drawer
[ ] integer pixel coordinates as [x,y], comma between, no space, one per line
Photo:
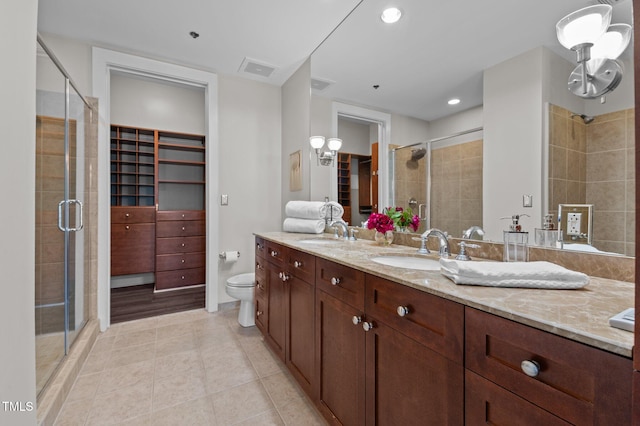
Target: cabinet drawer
[182,278]
[180,228]
[578,383]
[435,322]
[180,245]
[262,286]
[488,403]
[302,265]
[133,214]
[344,283]
[276,253]
[261,314]
[169,262]
[132,248]
[261,248]
[163,215]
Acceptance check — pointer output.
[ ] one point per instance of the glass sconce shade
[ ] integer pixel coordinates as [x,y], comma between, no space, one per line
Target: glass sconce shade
[586,25]
[334,144]
[316,142]
[609,46]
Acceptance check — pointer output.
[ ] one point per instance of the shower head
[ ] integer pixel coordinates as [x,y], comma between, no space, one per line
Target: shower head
[418,153]
[586,118]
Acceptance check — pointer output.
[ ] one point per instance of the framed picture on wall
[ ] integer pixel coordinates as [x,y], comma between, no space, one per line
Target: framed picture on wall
[295,171]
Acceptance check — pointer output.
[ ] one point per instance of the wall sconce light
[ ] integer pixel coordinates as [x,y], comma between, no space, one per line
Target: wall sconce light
[325,158]
[597,46]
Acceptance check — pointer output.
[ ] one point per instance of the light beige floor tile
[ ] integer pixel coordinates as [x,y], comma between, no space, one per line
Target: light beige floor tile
[95,363]
[178,363]
[176,389]
[193,413]
[85,387]
[172,331]
[282,389]
[104,345]
[186,342]
[126,375]
[137,325]
[185,316]
[122,404]
[74,413]
[241,403]
[299,412]
[214,336]
[144,420]
[135,338]
[131,355]
[269,418]
[223,350]
[263,360]
[229,373]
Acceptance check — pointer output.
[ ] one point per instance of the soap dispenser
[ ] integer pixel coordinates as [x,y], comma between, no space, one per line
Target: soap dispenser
[515,241]
[548,236]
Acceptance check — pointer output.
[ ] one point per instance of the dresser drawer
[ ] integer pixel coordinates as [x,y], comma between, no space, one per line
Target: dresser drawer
[302,265]
[169,262]
[132,248]
[180,228]
[181,278]
[262,286]
[163,215]
[578,383]
[435,322]
[344,283]
[276,253]
[261,248]
[180,245]
[133,214]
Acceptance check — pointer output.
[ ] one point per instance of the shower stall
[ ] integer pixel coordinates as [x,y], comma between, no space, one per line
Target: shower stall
[440,180]
[66,136]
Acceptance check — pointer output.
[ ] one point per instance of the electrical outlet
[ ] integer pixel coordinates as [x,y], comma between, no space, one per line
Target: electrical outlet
[573,223]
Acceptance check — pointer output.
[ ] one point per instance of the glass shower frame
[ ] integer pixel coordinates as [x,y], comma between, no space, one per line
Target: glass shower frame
[61,305]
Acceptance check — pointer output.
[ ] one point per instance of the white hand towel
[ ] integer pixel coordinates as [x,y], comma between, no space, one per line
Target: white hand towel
[306,209]
[304,226]
[512,274]
[334,210]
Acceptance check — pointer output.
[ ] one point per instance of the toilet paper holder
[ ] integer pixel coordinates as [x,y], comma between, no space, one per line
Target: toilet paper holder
[223,255]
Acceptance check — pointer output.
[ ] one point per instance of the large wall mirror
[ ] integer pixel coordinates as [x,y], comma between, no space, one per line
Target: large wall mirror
[517,134]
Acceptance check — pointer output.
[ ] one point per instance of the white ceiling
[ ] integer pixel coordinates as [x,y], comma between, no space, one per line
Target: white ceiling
[438,49]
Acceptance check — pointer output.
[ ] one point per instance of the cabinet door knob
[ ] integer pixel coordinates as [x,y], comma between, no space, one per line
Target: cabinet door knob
[402,310]
[127,227]
[357,319]
[530,368]
[274,253]
[297,264]
[258,266]
[260,246]
[283,276]
[366,326]
[258,313]
[182,245]
[335,281]
[126,215]
[182,277]
[183,228]
[182,261]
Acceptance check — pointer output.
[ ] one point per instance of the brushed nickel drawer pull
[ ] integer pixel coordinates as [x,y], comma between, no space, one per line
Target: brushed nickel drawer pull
[274,253]
[357,319]
[367,326]
[335,281]
[126,215]
[297,264]
[182,277]
[127,227]
[402,311]
[530,368]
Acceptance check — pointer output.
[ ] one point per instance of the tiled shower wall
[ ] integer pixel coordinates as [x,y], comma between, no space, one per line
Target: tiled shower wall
[594,164]
[410,180]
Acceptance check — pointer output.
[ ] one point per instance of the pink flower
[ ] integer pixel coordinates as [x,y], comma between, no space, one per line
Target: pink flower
[380,222]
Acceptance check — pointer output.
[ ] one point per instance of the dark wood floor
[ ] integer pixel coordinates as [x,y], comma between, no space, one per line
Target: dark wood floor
[131,303]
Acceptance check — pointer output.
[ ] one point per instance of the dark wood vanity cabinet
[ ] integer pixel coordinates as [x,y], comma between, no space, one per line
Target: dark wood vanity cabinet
[569,383]
[133,233]
[285,295]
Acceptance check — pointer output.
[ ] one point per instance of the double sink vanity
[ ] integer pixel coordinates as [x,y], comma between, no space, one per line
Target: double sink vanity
[377,335]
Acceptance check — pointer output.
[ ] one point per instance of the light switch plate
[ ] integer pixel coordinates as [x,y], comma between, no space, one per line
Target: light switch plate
[224,200]
[527,200]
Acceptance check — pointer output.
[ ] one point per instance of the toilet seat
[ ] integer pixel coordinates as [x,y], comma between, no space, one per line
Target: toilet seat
[242,280]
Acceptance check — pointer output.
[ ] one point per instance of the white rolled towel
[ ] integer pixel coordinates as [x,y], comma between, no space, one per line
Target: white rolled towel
[304,226]
[305,209]
[334,210]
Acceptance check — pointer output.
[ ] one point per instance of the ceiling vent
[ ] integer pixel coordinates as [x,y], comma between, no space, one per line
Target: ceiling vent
[251,66]
[318,84]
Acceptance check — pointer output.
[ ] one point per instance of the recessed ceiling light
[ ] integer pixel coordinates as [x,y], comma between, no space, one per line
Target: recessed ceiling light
[391,15]
[454,101]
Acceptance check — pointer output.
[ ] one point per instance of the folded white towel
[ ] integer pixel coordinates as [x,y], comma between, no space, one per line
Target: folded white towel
[304,226]
[306,209]
[512,274]
[334,210]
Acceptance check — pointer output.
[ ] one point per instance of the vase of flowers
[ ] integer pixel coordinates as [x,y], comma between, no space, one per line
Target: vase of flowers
[391,219]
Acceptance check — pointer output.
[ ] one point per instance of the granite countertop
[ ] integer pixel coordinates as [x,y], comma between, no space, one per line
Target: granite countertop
[580,315]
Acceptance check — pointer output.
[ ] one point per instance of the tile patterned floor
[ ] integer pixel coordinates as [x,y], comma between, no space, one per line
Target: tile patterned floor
[190,368]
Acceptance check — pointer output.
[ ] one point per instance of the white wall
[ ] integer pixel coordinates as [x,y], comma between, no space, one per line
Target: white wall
[408,130]
[18,20]
[250,168]
[513,142]
[355,137]
[320,176]
[153,104]
[296,112]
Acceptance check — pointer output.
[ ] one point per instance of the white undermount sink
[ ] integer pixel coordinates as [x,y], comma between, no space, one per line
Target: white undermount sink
[320,240]
[407,262]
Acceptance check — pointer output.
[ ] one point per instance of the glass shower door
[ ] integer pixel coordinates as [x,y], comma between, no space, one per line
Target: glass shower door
[409,189]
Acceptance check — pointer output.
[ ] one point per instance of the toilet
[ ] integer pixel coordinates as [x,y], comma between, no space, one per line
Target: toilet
[241,287]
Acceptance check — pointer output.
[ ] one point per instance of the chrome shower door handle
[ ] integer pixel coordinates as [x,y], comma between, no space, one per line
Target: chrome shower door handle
[81,214]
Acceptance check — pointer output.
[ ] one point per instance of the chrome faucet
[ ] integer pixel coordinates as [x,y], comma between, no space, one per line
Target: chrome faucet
[343,225]
[467,234]
[445,249]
